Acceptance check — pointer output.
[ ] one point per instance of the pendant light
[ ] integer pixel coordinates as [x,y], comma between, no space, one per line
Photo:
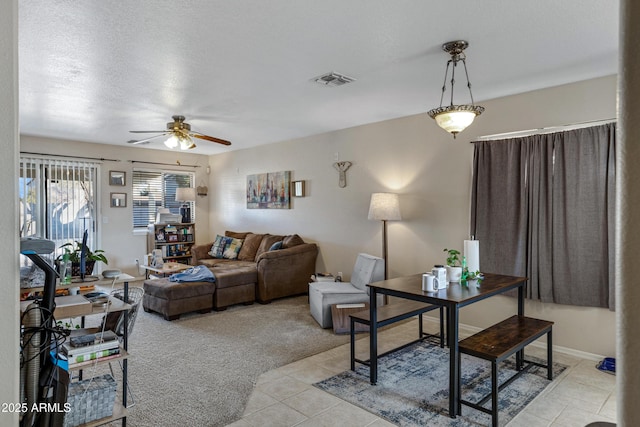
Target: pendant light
[455,118]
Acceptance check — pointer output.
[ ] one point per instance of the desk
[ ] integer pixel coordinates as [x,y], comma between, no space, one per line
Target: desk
[120,412]
[77,305]
[453,298]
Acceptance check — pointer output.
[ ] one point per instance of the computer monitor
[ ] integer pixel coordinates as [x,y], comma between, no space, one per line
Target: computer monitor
[83,255]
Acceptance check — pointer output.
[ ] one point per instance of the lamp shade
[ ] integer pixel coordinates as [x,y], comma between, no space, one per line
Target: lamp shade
[172,141]
[455,121]
[384,206]
[185,194]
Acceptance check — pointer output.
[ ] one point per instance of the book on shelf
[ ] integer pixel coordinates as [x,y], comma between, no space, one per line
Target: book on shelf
[65,365]
[70,350]
[94,355]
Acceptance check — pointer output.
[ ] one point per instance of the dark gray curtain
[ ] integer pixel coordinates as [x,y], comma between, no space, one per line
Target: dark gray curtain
[542,207]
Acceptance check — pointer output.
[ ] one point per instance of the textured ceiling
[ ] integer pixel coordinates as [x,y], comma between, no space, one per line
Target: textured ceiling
[241,70]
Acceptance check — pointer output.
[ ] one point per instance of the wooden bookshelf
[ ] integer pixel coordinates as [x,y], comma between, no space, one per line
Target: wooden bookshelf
[174,240]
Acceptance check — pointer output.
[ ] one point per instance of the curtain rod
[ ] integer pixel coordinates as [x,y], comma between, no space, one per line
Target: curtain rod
[164,164]
[550,129]
[71,157]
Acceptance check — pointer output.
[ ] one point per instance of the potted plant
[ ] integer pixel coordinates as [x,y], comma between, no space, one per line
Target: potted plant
[454,266]
[74,250]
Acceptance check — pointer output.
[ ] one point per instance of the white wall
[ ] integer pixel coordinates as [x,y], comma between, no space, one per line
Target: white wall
[115,225]
[628,218]
[431,172]
[9,309]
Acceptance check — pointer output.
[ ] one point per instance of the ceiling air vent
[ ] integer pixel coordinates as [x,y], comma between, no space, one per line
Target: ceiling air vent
[333,79]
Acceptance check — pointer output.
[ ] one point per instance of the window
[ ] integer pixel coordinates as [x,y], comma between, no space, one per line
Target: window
[57,200]
[153,189]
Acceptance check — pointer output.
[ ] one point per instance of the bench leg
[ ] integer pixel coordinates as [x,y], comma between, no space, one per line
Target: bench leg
[459,406]
[353,345]
[549,355]
[420,327]
[494,394]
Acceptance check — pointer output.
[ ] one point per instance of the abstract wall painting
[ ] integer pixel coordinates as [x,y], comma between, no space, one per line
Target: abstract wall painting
[269,190]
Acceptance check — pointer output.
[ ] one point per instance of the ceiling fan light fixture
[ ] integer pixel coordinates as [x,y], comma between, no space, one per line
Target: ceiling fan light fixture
[172,142]
[186,143]
[455,118]
[179,134]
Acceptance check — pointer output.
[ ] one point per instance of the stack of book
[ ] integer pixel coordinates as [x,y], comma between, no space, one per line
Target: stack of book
[83,348]
[323,277]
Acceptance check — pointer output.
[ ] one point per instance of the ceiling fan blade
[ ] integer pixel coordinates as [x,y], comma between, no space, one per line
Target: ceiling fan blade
[134,142]
[211,138]
[148,131]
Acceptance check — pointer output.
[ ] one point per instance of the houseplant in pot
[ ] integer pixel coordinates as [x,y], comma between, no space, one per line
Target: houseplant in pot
[454,267]
[74,251]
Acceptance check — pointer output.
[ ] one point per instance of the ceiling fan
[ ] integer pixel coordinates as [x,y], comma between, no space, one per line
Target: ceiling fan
[180,135]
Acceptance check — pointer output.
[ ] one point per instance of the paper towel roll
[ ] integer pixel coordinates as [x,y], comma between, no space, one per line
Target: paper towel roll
[472,254]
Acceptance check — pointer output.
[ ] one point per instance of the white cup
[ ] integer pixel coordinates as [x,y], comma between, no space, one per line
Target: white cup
[429,283]
[74,291]
[440,273]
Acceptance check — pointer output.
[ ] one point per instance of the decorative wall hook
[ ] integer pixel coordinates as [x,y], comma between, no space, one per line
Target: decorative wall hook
[202,190]
[342,167]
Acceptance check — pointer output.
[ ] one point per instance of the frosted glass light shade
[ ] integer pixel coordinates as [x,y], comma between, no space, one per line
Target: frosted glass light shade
[384,206]
[185,194]
[172,141]
[186,143]
[455,121]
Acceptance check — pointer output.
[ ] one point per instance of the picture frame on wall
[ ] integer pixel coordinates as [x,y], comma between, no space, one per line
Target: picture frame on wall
[269,190]
[118,200]
[297,189]
[117,178]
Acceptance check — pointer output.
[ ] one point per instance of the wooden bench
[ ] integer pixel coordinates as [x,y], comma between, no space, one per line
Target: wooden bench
[497,343]
[388,314]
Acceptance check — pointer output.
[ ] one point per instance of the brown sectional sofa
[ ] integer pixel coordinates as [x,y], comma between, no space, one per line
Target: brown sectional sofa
[280,272]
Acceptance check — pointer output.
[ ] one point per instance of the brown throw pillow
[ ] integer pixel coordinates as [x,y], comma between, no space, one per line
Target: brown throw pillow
[291,241]
[250,247]
[267,241]
[235,234]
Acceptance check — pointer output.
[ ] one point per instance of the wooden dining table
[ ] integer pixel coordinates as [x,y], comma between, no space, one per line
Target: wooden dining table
[453,298]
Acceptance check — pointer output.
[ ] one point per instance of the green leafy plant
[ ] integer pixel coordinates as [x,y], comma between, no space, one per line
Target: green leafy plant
[67,325]
[75,251]
[452,259]
[473,275]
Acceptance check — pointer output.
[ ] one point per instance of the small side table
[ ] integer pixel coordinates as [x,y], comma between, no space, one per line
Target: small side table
[340,315]
[168,268]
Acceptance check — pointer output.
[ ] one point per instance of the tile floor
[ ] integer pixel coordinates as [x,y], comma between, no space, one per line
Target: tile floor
[286,396]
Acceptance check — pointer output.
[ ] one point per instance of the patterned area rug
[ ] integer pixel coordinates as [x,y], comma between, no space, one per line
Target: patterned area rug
[413,387]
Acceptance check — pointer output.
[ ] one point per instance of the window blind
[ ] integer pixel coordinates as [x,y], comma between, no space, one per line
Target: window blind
[153,189]
[57,199]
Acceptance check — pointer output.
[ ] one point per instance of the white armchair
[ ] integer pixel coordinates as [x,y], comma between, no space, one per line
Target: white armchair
[322,295]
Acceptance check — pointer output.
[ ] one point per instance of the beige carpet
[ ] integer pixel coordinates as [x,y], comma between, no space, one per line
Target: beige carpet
[200,370]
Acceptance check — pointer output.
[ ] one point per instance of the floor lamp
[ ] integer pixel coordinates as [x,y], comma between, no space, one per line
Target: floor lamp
[384,207]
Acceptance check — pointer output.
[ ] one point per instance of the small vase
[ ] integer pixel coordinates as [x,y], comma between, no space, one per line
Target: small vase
[454,274]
